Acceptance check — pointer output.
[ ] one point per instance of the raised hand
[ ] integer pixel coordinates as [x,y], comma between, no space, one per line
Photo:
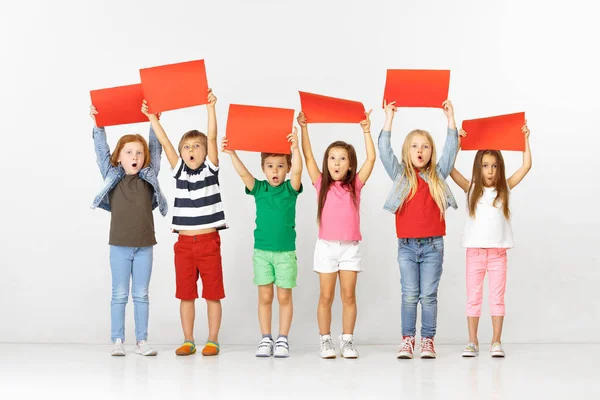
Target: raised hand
[390,109]
[145,110]
[224,148]
[448,109]
[366,123]
[212,99]
[293,139]
[525,130]
[93,113]
[301,119]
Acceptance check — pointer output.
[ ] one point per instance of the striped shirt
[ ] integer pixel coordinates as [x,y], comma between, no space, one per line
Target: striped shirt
[197,198]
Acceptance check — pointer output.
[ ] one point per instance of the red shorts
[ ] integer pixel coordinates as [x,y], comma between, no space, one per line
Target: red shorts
[195,256]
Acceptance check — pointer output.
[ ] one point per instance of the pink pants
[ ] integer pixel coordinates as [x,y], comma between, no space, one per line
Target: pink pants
[478,262]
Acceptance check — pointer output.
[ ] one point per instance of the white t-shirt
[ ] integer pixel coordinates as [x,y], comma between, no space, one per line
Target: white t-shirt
[489,228]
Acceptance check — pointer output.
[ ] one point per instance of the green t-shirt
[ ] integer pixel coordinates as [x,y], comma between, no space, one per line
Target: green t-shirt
[275,216]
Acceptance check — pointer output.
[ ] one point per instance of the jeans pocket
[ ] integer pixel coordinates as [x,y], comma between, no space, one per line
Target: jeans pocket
[438,245]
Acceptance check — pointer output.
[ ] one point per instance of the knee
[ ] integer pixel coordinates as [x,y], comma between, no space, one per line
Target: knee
[410,298]
[265,297]
[348,297]
[119,297]
[284,297]
[326,299]
[429,298]
[140,296]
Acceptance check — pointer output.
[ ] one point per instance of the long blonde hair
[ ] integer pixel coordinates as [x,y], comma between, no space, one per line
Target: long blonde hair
[436,186]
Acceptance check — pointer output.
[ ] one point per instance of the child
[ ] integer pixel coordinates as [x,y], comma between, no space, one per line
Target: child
[487,236]
[274,257]
[337,250]
[130,193]
[419,199]
[197,217]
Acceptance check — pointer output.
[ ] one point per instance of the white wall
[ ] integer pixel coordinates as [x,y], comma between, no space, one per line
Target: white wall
[505,57]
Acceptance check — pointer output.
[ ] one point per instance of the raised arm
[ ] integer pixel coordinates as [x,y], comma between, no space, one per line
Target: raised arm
[365,170]
[100,145]
[296,178]
[161,136]
[456,176]
[386,154]
[309,159]
[460,180]
[238,165]
[521,172]
[446,161]
[212,149]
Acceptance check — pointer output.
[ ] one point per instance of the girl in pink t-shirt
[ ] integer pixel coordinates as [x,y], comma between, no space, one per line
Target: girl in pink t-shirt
[337,249]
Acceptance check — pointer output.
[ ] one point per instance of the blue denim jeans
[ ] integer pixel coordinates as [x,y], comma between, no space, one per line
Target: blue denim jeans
[420,263]
[126,263]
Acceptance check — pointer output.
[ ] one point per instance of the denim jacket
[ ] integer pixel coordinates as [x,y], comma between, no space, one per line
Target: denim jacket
[113,175]
[394,169]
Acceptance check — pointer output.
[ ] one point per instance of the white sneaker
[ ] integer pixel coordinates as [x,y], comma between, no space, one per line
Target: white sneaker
[471,350]
[327,348]
[497,350]
[118,348]
[282,348]
[347,348]
[145,349]
[265,348]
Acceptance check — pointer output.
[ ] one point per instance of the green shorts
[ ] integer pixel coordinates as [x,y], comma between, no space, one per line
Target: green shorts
[279,267]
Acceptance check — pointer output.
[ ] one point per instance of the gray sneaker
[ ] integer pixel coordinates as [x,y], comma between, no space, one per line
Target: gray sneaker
[118,348]
[145,349]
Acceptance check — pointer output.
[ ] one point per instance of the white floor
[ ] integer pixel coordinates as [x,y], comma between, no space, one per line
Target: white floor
[539,372]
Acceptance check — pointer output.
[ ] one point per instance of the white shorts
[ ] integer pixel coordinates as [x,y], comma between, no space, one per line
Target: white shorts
[337,255]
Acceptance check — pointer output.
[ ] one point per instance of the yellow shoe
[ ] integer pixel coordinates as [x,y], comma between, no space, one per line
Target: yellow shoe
[211,349]
[186,349]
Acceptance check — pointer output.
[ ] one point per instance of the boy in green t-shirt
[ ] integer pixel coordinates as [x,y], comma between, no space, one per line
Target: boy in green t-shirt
[274,255]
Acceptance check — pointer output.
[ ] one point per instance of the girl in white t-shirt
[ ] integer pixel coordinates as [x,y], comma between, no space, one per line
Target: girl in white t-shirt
[487,236]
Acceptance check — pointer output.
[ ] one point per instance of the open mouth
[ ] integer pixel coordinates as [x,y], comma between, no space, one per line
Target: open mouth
[420,158]
[191,158]
[275,179]
[134,165]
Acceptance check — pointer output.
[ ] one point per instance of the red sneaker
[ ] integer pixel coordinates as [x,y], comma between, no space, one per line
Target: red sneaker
[427,348]
[407,347]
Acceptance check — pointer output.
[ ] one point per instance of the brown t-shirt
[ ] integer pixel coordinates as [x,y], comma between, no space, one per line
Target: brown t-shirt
[131,223]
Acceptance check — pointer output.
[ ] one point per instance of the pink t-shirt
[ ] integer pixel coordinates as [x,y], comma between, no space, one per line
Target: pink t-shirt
[340,219]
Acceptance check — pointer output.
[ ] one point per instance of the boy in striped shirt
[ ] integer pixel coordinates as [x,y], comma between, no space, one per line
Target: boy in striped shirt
[197,218]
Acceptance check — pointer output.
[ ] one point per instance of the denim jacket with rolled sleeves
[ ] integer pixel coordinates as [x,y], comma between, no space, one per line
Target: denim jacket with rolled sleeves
[394,169]
[112,175]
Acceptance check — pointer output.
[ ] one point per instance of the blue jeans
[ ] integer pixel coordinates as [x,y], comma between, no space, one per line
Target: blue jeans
[420,263]
[125,263]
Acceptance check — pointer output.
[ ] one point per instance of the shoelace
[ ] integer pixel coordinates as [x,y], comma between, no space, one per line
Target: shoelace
[327,344]
[144,346]
[349,345]
[407,345]
[427,344]
[471,347]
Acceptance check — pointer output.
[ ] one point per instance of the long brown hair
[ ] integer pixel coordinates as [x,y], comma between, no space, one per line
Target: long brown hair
[476,187]
[436,186]
[130,139]
[347,181]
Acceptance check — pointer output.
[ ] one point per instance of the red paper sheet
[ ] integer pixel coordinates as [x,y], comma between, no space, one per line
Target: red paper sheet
[323,109]
[501,132]
[118,105]
[417,87]
[259,129]
[174,86]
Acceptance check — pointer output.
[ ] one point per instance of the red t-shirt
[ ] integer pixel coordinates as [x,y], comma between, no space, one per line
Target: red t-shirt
[419,217]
